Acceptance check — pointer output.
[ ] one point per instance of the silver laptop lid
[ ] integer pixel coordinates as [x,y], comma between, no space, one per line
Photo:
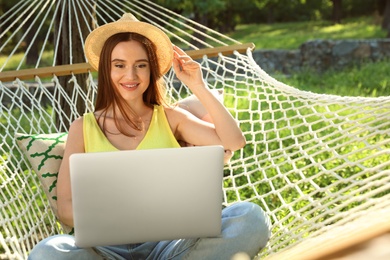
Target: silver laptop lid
[146,195]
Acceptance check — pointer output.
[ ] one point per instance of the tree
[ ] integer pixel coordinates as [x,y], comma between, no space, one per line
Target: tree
[287,10]
[386,18]
[204,12]
[337,11]
[270,6]
[64,57]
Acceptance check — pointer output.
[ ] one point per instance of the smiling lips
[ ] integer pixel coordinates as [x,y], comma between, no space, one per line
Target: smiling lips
[129,85]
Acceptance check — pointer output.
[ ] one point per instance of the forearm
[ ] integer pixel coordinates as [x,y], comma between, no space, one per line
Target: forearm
[64,195]
[65,213]
[226,128]
[74,144]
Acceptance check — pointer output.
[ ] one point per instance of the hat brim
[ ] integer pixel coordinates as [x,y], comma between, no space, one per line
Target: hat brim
[96,39]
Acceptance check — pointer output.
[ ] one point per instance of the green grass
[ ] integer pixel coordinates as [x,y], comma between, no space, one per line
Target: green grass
[369,79]
[292,35]
[14,62]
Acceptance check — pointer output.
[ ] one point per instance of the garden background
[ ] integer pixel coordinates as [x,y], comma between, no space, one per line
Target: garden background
[286,25]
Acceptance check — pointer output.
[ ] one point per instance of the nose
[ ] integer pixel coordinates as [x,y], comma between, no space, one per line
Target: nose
[131,73]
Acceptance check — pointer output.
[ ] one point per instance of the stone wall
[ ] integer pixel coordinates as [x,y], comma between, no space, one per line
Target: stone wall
[323,54]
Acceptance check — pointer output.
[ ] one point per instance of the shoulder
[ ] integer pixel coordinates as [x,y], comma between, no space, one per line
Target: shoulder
[76,127]
[75,140]
[176,113]
[78,123]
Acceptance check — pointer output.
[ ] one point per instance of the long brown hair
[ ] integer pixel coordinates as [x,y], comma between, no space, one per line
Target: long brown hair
[109,97]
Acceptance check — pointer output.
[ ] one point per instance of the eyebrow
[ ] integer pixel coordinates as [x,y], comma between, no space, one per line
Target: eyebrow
[120,60]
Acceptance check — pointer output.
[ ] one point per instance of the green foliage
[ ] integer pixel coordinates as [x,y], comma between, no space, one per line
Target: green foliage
[187,7]
[292,35]
[224,15]
[303,10]
[270,11]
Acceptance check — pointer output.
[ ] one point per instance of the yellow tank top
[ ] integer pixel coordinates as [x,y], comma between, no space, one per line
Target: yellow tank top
[159,134]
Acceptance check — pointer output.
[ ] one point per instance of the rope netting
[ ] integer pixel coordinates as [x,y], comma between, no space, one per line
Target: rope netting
[312,161]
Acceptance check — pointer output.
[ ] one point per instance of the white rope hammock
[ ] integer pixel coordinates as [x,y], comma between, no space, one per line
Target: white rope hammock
[313,162]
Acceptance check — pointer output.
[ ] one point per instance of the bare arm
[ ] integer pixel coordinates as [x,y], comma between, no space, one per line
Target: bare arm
[74,144]
[224,130]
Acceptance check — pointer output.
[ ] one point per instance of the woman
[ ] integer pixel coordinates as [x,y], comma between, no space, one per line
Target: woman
[130,113]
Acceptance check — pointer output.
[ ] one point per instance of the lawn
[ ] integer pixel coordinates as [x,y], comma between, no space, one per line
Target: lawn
[367,80]
[292,35]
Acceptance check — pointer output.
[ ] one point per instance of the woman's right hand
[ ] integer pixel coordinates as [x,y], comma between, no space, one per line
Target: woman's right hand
[187,70]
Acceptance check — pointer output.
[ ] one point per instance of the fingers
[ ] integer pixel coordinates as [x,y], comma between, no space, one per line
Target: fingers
[183,59]
[187,70]
[179,51]
[181,55]
[184,62]
[227,156]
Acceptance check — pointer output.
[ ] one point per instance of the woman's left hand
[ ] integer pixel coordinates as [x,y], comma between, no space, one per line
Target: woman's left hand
[187,70]
[225,131]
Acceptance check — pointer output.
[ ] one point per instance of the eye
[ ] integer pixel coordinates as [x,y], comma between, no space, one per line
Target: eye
[119,65]
[141,65]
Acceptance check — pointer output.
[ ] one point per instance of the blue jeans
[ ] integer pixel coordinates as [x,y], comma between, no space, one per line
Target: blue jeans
[245,229]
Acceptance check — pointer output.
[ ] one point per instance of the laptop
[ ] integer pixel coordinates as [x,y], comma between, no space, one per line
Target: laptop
[136,196]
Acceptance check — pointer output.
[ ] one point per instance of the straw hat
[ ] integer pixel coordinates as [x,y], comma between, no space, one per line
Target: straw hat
[128,23]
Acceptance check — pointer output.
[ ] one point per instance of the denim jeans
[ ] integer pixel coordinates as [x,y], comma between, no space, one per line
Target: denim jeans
[245,229]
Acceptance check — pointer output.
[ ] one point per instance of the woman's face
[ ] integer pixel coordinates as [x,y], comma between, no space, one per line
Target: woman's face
[130,69]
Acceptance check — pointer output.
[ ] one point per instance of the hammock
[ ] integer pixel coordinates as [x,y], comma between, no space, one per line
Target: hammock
[315,163]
